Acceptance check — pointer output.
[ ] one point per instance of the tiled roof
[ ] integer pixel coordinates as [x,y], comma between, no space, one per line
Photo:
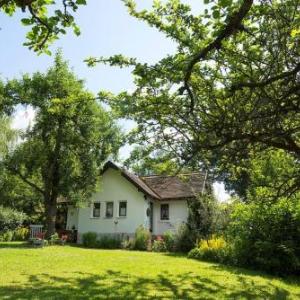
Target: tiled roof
[176,187]
[164,187]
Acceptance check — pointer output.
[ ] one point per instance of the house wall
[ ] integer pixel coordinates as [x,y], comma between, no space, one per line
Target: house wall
[178,213]
[72,218]
[114,187]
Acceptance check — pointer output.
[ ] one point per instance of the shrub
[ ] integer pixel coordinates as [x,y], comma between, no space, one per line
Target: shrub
[169,240]
[108,242]
[6,236]
[213,249]
[10,219]
[89,239]
[21,234]
[184,239]
[141,239]
[266,236]
[159,246]
[54,239]
[128,244]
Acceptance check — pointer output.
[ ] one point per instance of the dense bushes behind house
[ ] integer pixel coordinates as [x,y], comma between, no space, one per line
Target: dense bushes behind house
[10,224]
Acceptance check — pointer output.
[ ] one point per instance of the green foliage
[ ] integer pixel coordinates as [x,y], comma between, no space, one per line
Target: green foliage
[128,244]
[159,245]
[10,219]
[185,239]
[62,153]
[89,239]
[54,239]
[229,91]
[109,242]
[202,215]
[169,239]
[8,136]
[141,238]
[6,236]
[47,20]
[266,235]
[145,162]
[214,249]
[21,234]
[269,174]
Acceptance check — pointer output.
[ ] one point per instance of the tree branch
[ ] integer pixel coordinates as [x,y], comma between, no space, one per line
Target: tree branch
[234,25]
[270,80]
[33,185]
[45,24]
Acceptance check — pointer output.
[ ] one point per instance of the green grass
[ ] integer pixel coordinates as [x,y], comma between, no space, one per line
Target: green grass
[65,272]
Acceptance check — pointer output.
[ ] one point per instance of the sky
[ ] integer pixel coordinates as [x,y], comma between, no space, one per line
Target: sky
[106,29]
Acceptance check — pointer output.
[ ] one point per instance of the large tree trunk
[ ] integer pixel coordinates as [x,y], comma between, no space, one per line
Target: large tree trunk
[51,210]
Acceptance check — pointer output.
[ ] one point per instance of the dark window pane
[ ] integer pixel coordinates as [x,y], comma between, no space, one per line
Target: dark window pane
[109,209]
[164,211]
[122,209]
[96,210]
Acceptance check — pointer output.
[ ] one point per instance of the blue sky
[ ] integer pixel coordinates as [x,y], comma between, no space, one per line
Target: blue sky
[106,29]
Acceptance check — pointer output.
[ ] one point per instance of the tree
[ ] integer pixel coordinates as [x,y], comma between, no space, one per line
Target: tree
[144,162]
[269,174]
[8,136]
[61,155]
[202,215]
[45,27]
[231,88]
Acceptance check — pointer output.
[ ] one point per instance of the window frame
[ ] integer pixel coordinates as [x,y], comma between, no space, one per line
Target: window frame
[168,212]
[122,216]
[93,208]
[106,203]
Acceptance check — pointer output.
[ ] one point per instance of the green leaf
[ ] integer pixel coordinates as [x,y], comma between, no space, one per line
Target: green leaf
[81,2]
[216,14]
[26,21]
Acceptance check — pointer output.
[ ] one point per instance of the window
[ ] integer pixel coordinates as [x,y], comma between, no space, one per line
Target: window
[122,208]
[164,211]
[96,210]
[109,210]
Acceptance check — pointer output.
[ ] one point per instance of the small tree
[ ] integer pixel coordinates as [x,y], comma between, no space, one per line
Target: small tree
[202,215]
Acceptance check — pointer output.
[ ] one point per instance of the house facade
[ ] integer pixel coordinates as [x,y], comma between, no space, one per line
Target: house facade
[125,201]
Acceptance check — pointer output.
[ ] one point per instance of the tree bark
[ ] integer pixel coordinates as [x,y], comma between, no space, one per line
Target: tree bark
[51,210]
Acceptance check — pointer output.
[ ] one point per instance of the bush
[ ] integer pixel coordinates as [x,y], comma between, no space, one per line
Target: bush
[141,239]
[128,244]
[169,240]
[89,239]
[184,239]
[54,239]
[10,219]
[214,249]
[6,236]
[159,245]
[266,236]
[108,242]
[21,234]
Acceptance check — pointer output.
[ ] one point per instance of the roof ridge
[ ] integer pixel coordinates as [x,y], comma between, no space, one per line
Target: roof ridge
[181,174]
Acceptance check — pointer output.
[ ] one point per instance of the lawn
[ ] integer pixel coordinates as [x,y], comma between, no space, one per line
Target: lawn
[65,272]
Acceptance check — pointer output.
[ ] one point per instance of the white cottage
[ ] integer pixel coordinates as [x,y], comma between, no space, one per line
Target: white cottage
[125,201]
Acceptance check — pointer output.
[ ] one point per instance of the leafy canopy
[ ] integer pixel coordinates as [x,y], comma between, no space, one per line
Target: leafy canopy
[62,154]
[47,19]
[231,88]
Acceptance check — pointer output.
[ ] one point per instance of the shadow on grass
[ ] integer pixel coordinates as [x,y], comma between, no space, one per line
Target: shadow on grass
[15,245]
[111,284]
